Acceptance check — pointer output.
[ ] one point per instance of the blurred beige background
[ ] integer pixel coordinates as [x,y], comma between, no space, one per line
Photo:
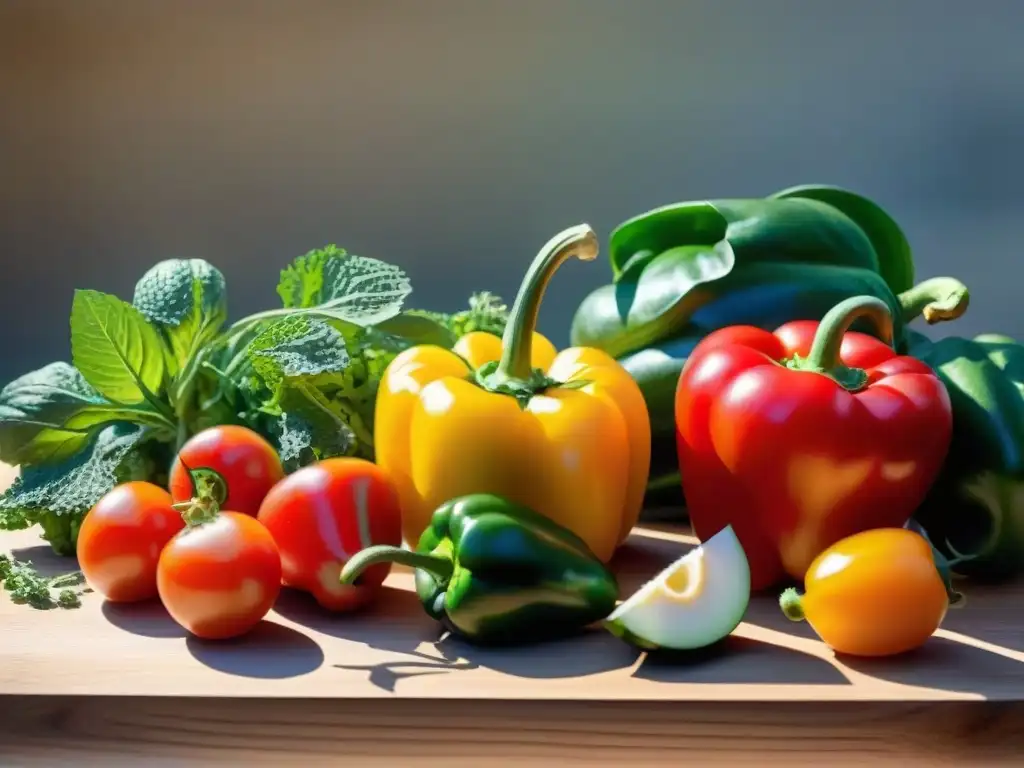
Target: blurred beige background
[453,136]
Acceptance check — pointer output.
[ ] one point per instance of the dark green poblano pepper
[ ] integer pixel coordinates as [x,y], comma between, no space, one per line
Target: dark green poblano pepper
[975,510]
[495,572]
[684,270]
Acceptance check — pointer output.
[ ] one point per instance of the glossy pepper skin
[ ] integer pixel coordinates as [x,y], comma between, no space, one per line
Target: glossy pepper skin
[880,592]
[683,271]
[804,436]
[497,573]
[976,507]
[564,434]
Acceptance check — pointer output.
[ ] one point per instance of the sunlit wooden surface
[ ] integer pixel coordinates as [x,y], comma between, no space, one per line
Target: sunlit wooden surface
[105,685]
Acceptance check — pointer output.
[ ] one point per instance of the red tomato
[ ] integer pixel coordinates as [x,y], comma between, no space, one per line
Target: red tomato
[323,514]
[218,579]
[248,464]
[121,538]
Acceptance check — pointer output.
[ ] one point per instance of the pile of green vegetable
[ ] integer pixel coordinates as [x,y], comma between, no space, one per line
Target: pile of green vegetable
[146,375]
[682,271]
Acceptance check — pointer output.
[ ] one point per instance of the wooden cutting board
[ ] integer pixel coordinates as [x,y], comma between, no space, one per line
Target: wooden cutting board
[384,684]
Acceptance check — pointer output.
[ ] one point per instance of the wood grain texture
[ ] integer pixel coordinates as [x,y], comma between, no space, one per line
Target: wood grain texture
[156,731]
[83,684]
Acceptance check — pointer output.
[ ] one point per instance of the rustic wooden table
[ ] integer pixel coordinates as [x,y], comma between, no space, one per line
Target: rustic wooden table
[104,685]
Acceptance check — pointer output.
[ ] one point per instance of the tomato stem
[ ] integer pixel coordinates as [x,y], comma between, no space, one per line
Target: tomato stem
[197,511]
[209,491]
[791,603]
[207,484]
[824,356]
[440,567]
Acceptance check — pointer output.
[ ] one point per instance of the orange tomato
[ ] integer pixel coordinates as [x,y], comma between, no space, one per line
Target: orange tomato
[876,593]
[220,577]
[121,538]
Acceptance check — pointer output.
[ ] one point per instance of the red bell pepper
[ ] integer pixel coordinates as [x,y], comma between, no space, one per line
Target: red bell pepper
[804,436]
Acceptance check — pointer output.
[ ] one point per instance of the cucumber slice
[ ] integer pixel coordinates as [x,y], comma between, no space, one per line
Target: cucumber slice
[693,603]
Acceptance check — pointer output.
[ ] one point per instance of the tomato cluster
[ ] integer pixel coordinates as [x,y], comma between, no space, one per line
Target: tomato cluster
[234,528]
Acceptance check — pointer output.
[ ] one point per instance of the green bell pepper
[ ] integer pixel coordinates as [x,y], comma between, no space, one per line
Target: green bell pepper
[976,506]
[685,270]
[495,572]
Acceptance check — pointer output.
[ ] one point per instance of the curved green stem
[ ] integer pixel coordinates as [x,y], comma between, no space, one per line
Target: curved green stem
[792,605]
[938,299]
[828,339]
[517,342]
[440,567]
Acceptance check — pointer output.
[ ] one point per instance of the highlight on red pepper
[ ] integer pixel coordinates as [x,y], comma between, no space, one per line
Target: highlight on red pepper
[804,436]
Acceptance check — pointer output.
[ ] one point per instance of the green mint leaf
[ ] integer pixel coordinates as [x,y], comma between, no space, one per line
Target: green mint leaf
[311,427]
[355,289]
[116,349]
[187,300]
[294,441]
[302,282]
[40,401]
[51,446]
[57,495]
[298,346]
[415,329]
[486,312]
[301,361]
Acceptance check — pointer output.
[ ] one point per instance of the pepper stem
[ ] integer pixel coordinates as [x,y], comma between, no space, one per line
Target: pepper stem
[828,340]
[792,605]
[440,567]
[938,299]
[517,342]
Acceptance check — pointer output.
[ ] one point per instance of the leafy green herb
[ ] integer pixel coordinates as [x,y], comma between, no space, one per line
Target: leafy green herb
[303,361]
[354,289]
[186,299]
[298,347]
[116,349]
[39,401]
[486,313]
[57,496]
[148,375]
[27,587]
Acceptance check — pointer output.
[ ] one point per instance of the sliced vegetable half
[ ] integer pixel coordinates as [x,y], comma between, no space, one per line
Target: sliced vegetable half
[693,603]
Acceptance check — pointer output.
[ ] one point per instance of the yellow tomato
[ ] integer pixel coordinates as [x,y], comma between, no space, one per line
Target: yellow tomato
[876,593]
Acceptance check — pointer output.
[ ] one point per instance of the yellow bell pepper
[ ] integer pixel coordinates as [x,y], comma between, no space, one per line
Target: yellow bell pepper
[565,434]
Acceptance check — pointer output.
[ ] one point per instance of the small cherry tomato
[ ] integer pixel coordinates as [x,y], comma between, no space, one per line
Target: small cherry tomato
[220,576]
[876,593]
[248,465]
[323,514]
[121,538]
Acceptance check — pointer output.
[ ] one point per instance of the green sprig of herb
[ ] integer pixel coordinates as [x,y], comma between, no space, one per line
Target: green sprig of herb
[27,587]
[145,376]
